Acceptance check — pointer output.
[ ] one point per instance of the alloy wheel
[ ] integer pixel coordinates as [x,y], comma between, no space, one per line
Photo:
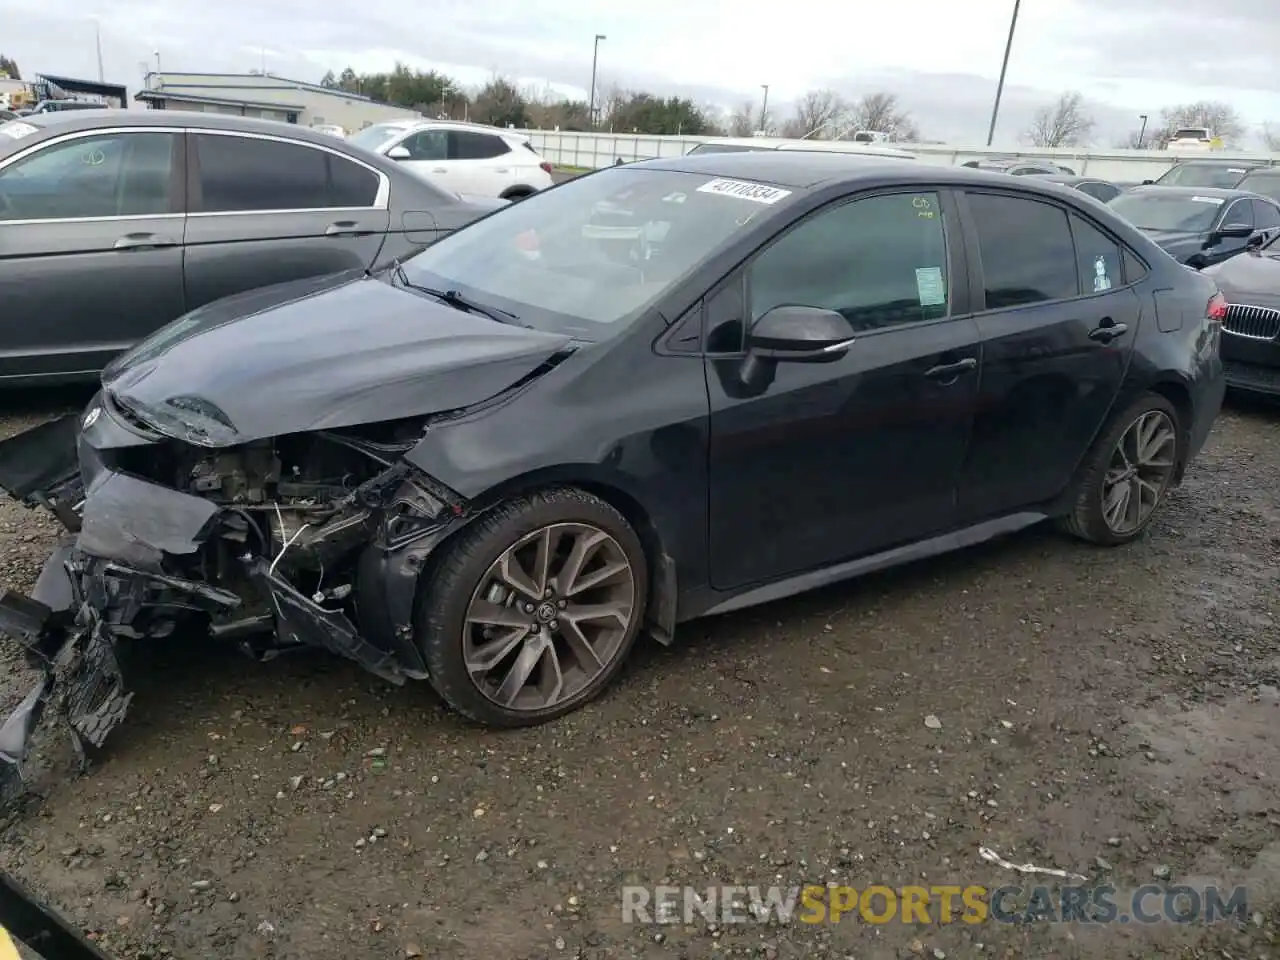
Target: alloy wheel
[549,616]
[1139,471]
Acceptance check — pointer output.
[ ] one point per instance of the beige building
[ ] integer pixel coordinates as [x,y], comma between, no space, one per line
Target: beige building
[268,97]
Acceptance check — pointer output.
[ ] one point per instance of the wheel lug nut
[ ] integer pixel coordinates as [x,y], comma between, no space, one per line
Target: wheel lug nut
[562,604]
[528,607]
[547,593]
[554,625]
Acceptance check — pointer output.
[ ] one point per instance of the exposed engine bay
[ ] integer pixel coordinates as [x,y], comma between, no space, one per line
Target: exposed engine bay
[309,540]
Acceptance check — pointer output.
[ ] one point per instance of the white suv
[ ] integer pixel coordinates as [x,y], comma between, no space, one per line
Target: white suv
[465,158]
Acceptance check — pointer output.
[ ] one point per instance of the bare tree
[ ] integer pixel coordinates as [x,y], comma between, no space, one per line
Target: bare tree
[1063,124]
[1220,118]
[742,122]
[1271,137]
[880,112]
[819,115]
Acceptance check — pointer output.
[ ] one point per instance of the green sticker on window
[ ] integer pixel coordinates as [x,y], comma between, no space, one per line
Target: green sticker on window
[930,287]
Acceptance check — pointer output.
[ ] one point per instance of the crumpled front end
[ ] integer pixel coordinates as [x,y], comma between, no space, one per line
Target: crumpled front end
[309,540]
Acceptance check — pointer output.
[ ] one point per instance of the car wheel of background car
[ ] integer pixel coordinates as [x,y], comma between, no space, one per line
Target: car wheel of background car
[519,193]
[1127,473]
[532,610]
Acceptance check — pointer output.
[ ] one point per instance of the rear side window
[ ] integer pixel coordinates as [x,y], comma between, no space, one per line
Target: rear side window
[1026,250]
[1134,269]
[239,174]
[1239,214]
[1267,184]
[466,145]
[1265,215]
[1098,258]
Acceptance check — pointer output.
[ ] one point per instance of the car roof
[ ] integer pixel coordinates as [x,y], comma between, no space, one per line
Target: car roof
[423,123]
[1224,193]
[803,170]
[1071,179]
[1219,162]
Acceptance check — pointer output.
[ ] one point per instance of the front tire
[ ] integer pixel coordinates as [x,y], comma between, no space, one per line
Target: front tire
[1127,473]
[532,610]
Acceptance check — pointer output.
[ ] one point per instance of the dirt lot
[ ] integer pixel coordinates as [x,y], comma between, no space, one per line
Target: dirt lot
[1112,713]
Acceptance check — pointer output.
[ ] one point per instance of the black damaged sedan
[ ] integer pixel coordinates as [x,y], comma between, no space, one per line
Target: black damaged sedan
[660,391]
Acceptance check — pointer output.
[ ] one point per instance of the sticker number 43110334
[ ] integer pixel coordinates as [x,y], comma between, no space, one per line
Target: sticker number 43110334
[744,190]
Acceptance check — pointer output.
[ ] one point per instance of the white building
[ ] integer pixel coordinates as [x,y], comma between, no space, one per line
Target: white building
[266,96]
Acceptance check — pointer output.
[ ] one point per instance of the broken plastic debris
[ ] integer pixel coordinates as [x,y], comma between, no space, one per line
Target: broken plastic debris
[932,722]
[986,853]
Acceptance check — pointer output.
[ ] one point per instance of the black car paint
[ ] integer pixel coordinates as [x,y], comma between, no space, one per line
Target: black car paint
[712,457]
[1251,331]
[80,291]
[1214,166]
[1202,248]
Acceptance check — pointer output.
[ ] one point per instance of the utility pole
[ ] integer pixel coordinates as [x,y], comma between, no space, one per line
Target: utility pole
[995,110]
[97,34]
[1143,132]
[764,106]
[595,57]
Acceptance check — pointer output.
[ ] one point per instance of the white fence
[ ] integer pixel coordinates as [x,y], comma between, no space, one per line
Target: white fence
[592,150]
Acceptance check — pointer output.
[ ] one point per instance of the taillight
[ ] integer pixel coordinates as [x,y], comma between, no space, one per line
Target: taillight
[1217,309]
[546,167]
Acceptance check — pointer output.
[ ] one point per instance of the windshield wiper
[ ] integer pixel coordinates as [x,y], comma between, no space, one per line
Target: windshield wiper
[454,298]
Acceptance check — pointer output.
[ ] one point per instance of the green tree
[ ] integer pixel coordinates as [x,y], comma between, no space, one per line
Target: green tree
[500,103]
[640,112]
[9,68]
[329,80]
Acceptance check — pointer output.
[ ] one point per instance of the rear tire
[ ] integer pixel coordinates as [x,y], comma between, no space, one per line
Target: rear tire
[1126,474]
[532,610]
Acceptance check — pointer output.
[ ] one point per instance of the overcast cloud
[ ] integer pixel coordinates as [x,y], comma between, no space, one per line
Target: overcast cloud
[942,58]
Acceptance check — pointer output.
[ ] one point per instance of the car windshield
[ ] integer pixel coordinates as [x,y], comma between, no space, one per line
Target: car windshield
[1203,175]
[1267,184]
[592,254]
[1159,211]
[371,138]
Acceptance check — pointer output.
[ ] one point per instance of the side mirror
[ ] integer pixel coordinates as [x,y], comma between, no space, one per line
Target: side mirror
[398,153]
[1236,231]
[1147,183]
[798,333]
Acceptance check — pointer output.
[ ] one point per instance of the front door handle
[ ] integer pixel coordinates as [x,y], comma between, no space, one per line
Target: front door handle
[142,241]
[502,170]
[343,228]
[1108,330]
[440,170]
[949,371]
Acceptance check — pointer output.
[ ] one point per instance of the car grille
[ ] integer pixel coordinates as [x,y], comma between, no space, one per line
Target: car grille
[1256,323]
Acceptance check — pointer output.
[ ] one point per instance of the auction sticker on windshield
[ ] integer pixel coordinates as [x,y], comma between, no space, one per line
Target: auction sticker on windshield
[1216,201]
[17,129]
[755,192]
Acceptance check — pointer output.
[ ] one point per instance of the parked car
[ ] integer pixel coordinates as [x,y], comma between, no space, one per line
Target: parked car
[1194,139]
[145,215]
[758,144]
[1251,327]
[493,466]
[469,158]
[1206,173]
[64,105]
[1263,180]
[1018,168]
[332,129]
[1200,226]
[6,115]
[1101,190]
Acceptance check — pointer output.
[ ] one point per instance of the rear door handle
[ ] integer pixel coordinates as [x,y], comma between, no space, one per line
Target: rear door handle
[343,228]
[142,241]
[949,371]
[1106,332]
[502,170]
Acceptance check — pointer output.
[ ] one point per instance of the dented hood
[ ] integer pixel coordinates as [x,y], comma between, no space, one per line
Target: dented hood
[318,354]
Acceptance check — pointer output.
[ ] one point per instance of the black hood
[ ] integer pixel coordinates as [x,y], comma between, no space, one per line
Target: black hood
[1256,275]
[318,354]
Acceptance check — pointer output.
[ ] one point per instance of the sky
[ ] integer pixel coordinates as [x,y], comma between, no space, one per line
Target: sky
[942,58]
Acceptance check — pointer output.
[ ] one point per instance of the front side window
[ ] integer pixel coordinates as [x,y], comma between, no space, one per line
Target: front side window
[1026,250]
[593,254]
[114,175]
[1238,215]
[1158,211]
[241,174]
[427,145]
[465,145]
[879,262]
[1266,215]
[1266,183]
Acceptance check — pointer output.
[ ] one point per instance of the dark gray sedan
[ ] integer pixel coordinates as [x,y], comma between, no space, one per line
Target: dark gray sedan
[1200,226]
[114,222]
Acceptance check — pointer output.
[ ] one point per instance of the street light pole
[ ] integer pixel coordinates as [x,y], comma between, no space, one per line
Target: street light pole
[1143,131]
[995,109]
[595,56]
[764,106]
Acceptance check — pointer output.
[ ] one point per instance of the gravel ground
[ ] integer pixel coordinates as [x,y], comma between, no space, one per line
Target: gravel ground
[1108,712]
